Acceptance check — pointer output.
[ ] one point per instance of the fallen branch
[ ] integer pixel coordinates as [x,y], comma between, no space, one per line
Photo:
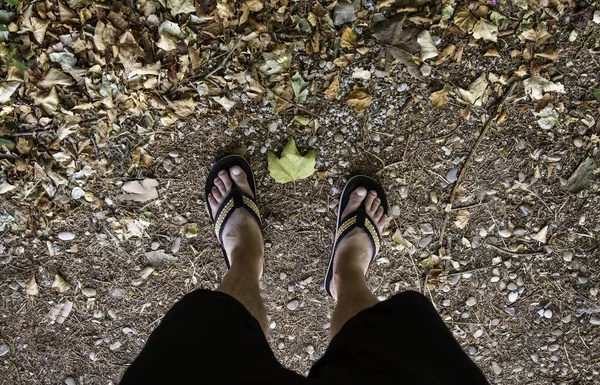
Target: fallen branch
[461,176]
[514,253]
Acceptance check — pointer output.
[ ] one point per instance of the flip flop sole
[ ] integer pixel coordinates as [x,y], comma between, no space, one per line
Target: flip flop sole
[354,183]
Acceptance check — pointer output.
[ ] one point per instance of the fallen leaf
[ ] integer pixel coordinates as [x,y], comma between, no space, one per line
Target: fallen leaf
[348,39]
[587,172]
[6,90]
[439,98]
[548,53]
[60,284]
[485,30]
[47,101]
[541,235]
[464,19]
[537,85]
[157,258]
[184,107]
[55,77]
[6,187]
[291,166]
[462,219]
[547,117]
[140,191]
[300,88]
[597,93]
[399,239]
[32,287]
[275,62]
[428,49]
[225,102]
[66,60]
[60,312]
[474,95]
[344,12]
[38,28]
[359,98]
[333,91]
[401,43]
[542,103]
[180,6]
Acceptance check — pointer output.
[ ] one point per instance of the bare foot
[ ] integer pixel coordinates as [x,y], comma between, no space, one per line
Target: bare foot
[241,236]
[354,252]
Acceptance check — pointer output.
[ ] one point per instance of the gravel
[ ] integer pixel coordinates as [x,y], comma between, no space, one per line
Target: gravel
[293,304]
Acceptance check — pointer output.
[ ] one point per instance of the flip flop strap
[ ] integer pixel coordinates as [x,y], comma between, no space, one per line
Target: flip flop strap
[359,219]
[235,200]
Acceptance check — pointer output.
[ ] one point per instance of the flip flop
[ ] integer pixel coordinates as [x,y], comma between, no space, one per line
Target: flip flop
[236,199]
[358,218]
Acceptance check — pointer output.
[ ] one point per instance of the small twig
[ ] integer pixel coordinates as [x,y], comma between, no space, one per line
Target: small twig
[223,62]
[290,102]
[461,176]
[469,206]
[568,359]
[469,271]
[513,253]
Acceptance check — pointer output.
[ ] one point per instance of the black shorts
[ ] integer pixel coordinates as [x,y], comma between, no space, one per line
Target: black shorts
[210,338]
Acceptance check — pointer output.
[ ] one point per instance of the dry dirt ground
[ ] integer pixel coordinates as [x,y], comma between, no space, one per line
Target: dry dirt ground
[514,276]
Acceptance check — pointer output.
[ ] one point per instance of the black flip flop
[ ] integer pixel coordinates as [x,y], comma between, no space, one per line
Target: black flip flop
[358,218]
[236,199]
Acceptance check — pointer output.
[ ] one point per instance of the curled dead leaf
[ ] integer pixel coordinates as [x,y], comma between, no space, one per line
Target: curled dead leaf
[333,90]
[359,98]
[32,287]
[60,284]
[439,98]
[348,39]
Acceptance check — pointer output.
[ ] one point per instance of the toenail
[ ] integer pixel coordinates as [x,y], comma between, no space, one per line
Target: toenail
[361,191]
[235,170]
[373,192]
[378,200]
[222,172]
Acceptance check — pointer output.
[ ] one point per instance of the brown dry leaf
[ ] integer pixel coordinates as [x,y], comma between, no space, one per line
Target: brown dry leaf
[47,101]
[24,145]
[38,28]
[464,19]
[60,284]
[359,98]
[445,54]
[65,12]
[439,98]
[541,235]
[55,77]
[542,103]
[333,90]
[184,107]
[465,112]
[548,53]
[140,157]
[348,39]
[140,191]
[254,5]
[462,219]
[32,287]
[492,52]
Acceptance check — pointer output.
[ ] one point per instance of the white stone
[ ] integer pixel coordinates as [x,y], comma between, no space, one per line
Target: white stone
[66,236]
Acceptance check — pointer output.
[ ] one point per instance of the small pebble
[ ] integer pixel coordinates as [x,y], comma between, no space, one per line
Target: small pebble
[70,381]
[594,320]
[88,292]
[582,280]
[395,211]
[3,350]
[339,138]
[494,279]
[426,228]
[568,256]
[510,310]
[520,231]
[553,347]
[128,331]
[282,276]
[77,193]
[471,301]
[512,286]
[578,142]
[478,333]
[176,245]
[118,292]
[66,236]
[326,325]
[513,296]
[424,242]
[115,345]
[452,175]
[310,350]
[548,313]
[293,304]
[504,233]
[280,345]
[496,368]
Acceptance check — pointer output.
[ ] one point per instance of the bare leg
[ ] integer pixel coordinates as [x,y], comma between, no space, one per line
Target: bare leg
[349,287]
[243,242]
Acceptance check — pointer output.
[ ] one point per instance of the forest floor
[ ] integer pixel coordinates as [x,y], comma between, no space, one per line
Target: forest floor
[481,120]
